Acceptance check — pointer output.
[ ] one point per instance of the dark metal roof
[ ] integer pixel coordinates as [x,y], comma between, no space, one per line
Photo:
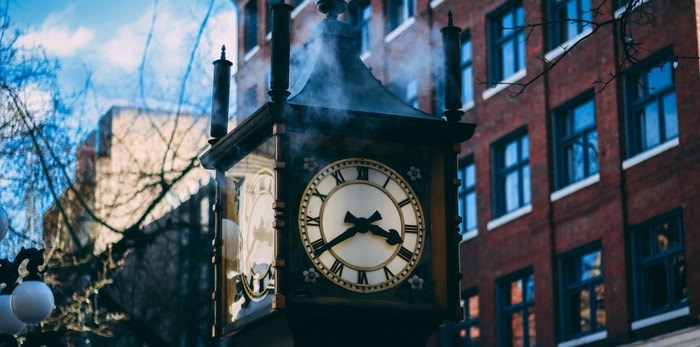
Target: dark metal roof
[332,76]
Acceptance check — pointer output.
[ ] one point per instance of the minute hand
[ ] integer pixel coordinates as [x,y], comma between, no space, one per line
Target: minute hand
[348,233]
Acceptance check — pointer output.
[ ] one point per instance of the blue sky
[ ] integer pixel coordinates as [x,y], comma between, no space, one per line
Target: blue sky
[105,40]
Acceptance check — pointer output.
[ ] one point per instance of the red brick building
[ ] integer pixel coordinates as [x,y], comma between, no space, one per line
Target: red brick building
[579,187]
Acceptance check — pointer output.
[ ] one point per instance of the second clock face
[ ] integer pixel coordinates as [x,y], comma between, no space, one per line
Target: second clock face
[361,225]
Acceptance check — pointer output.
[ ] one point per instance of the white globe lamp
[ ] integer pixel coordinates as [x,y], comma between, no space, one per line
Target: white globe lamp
[4,223]
[32,301]
[9,323]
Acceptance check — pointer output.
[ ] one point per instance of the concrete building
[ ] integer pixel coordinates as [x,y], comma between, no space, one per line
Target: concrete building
[138,173]
[579,188]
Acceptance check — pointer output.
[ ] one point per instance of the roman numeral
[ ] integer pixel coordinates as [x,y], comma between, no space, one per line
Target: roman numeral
[405,254]
[387,273]
[413,229]
[386,183]
[362,173]
[405,202]
[362,277]
[337,268]
[321,196]
[339,179]
[313,221]
[318,244]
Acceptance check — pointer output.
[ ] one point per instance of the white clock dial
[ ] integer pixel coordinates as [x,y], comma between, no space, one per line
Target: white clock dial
[361,225]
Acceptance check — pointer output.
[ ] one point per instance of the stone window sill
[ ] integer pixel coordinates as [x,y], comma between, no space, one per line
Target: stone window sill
[470,234]
[650,153]
[574,187]
[399,29]
[299,8]
[495,223]
[585,339]
[643,323]
[503,84]
[620,11]
[564,47]
[251,53]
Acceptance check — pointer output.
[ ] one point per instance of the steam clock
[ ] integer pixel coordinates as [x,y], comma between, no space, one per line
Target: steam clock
[336,202]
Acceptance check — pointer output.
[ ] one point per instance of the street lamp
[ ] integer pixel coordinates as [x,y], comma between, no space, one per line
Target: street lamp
[28,302]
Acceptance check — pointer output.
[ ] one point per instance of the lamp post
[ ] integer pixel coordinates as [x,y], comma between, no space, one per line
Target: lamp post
[28,302]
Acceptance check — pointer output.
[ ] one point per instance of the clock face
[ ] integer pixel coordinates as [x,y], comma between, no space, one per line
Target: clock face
[248,234]
[361,225]
[258,246]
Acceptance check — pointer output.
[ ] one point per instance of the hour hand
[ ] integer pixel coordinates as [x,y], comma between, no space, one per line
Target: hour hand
[392,236]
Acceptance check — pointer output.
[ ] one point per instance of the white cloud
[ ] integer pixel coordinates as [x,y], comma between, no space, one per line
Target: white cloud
[56,37]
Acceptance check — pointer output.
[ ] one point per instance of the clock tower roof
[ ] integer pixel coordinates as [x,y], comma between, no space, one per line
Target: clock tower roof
[332,76]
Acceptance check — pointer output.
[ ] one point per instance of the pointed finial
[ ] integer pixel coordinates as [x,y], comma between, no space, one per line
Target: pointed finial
[223,52]
[449,19]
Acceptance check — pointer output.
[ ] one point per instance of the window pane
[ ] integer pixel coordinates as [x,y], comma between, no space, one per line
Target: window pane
[506,24]
[601,316]
[511,156]
[590,265]
[574,158]
[521,52]
[587,14]
[531,327]
[473,306]
[667,236]
[650,126]
[573,307]
[584,301]
[516,292]
[470,176]
[467,89]
[508,62]
[655,291]
[525,147]
[571,13]
[643,241]
[670,116]
[462,212]
[660,77]
[680,279]
[519,16]
[592,143]
[584,116]
[516,326]
[526,185]
[511,191]
[466,50]
[471,211]
[474,334]
[530,288]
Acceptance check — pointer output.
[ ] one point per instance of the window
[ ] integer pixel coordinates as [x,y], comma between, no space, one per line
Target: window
[651,113]
[467,196]
[582,293]
[251,25]
[576,152]
[511,173]
[467,72]
[568,20]
[516,301]
[398,11]
[465,333]
[361,17]
[507,42]
[659,266]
